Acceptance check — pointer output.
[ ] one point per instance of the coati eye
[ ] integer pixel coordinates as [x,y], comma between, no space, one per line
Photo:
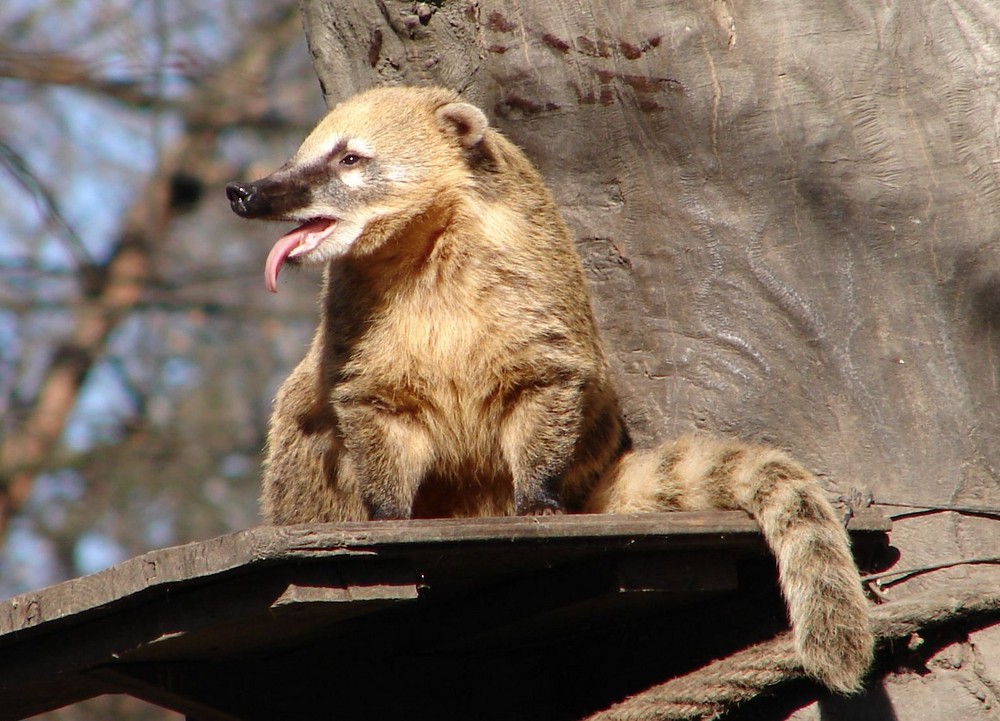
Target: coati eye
[350,159]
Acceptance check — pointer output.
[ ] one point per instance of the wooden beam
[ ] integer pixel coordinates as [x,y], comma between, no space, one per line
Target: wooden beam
[201,694]
[462,586]
[269,605]
[147,575]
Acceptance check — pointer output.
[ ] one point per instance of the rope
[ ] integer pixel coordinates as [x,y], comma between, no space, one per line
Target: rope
[710,691]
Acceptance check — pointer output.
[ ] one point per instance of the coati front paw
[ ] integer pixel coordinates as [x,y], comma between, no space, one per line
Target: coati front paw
[545,511]
[381,511]
[541,505]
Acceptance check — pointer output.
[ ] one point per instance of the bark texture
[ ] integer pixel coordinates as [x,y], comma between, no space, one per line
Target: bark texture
[788,212]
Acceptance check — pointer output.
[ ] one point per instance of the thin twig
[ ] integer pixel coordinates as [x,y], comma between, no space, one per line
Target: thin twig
[918,509]
[19,168]
[905,573]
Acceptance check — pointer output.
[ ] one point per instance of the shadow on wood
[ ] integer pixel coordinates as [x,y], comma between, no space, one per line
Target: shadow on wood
[495,618]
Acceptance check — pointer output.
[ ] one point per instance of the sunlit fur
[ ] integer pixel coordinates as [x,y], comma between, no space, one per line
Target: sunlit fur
[457,370]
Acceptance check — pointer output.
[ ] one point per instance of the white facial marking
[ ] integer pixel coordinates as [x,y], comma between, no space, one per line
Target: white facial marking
[315,147]
[341,239]
[352,177]
[338,242]
[357,146]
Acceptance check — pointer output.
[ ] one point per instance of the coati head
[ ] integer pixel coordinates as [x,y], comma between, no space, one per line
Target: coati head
[372,164]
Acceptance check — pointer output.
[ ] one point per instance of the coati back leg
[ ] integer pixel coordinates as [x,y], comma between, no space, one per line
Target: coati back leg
[826,605]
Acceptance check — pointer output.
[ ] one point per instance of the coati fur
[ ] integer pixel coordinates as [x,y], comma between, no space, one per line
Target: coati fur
[457,368]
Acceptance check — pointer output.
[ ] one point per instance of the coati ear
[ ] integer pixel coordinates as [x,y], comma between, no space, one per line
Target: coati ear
[467,122]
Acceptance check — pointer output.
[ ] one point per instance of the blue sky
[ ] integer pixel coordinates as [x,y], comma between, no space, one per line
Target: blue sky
[92,154]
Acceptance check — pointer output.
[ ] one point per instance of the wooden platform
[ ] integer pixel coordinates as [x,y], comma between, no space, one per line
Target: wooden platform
[500,618]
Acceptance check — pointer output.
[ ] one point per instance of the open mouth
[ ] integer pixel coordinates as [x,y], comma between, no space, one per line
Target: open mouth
[295,244]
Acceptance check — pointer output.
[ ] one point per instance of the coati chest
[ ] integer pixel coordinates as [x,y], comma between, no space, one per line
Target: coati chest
[449,359]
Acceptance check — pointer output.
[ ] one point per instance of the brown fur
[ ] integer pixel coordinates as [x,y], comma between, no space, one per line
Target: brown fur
[457,369]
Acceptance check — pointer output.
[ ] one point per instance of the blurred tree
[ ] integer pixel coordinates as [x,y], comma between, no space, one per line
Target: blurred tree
[136,368]
[135,371]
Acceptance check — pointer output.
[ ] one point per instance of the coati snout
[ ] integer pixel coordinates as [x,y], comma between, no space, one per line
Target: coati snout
[355,185]
[240,196]
[270,198]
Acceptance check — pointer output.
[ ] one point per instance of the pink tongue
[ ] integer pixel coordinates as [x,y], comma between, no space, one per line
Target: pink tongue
[288,243]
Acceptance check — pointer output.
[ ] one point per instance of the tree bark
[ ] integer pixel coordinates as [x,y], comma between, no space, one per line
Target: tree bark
[787,212]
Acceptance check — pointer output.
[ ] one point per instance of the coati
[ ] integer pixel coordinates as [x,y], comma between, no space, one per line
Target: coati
[457,368]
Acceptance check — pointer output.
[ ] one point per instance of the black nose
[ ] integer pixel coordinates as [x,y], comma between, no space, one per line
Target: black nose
[239,196]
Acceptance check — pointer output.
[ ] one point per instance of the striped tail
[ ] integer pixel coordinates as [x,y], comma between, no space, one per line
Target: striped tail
[820,583]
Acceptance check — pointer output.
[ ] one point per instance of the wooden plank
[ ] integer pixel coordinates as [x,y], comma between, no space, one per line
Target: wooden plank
[481,657]
[269,605]
[132,577]
[271,588]
[266,590]
[531,606]
[171,686]
[356,583]
[238,552]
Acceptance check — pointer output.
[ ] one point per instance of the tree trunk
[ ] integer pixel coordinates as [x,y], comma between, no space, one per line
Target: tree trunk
[787,211]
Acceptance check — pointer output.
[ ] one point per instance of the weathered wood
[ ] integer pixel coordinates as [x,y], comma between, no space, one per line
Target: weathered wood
[237,608]
[353,583]
[230,615]
[242,550]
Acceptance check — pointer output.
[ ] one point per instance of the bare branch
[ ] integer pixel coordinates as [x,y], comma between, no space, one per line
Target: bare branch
[68,70]
[122,284]
[902,574]
[707,693]
[18,167]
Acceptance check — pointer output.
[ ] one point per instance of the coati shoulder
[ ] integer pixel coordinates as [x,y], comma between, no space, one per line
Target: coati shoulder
[457,369]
